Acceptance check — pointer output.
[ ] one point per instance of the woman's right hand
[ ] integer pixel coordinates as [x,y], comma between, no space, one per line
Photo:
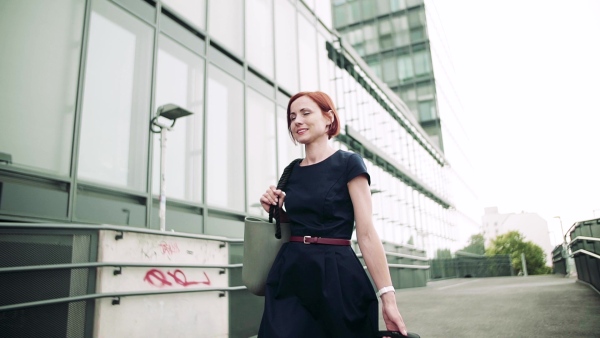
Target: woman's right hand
[271,197]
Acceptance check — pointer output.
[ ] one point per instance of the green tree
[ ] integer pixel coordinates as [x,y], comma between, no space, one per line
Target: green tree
[513,243]
[476,245]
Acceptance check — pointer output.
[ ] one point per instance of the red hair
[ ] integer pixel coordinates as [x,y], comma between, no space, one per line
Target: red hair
[325,104]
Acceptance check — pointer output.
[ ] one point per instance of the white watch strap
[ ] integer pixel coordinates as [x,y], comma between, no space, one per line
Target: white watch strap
[385,289]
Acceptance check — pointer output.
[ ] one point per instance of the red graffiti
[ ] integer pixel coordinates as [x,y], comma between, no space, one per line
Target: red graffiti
[169,248]
[158,278]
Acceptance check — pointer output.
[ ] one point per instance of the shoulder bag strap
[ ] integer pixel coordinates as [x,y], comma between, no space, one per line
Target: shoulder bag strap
[274,210]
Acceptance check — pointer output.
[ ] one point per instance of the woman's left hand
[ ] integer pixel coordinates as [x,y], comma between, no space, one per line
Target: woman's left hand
[391,315]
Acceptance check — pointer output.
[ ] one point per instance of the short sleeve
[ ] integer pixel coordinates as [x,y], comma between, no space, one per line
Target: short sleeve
[356,166]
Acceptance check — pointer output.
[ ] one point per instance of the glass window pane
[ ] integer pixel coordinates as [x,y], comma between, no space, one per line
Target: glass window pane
[425,91]
[286,63]
[224,141]
[389,70]
[415,19]
[226,24]
[308,55]
[422,63]
[326,71]
[192,10]
[286,149]
[371,38]
[340,17]
[116,101]
[405,67]
[259,35]
[39,107]
[260,148]
[180,80]
[397,5]
[383,7]
[427,111]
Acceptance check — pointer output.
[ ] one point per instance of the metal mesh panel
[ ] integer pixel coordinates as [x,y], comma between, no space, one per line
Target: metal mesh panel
[42,321]
[29,248]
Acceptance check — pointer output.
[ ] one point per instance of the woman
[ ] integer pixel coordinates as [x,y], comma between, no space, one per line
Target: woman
[317,287]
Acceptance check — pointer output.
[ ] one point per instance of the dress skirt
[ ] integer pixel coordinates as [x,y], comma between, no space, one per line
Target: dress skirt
[318,291]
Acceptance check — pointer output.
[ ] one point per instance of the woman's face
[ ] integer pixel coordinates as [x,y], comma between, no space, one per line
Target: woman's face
[308,122]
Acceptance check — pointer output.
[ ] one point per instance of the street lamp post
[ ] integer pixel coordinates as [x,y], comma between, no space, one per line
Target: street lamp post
[164,114]
[565,248]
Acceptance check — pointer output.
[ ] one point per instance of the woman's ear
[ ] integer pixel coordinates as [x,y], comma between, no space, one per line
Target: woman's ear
[331,116]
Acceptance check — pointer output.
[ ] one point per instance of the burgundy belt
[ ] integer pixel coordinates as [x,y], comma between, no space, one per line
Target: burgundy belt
[319,240]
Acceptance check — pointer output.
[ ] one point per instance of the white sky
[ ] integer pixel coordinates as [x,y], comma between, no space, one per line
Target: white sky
[528,75]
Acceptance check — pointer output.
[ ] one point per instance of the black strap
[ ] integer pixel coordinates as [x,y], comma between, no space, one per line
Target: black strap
[274,210]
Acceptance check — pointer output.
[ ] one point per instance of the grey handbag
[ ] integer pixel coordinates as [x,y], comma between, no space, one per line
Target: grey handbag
[262,241]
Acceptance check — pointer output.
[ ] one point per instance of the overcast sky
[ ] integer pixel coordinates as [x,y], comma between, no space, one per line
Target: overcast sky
[528,76]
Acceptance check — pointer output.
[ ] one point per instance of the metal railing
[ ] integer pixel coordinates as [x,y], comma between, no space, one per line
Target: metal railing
[407,270]
[585,249]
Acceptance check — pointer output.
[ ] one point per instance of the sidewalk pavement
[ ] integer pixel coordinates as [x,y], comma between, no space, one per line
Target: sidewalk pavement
[533,306]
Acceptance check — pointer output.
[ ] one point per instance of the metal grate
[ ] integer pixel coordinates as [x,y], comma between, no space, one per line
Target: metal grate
[30,248]
[44,321]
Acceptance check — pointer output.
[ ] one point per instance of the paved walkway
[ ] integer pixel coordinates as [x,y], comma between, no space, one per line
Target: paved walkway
[534,306]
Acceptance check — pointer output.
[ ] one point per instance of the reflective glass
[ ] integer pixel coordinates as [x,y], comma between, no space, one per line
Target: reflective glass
[192,10]
[371,39]
[426,111]
[383,7]
[224,141]
[286,49]
[375,66]
[260,149]
[397,5]
[180,80]
[286,149]
[308,55]
[389,70]
[259,35]
[326,68]
[405,67]
[415,19]
[116,101]
[422,63]
[38,86]
[226,24]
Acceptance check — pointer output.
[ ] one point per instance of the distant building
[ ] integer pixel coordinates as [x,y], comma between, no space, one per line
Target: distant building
[392,37]
[533,227]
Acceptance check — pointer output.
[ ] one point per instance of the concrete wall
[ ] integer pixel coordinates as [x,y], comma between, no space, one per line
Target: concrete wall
[197,314]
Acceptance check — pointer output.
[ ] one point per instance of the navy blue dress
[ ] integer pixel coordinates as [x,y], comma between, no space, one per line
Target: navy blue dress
[320,290]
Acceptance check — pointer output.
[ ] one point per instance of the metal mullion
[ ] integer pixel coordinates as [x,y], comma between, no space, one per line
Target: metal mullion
[207,39]
[72,202]
[149,168]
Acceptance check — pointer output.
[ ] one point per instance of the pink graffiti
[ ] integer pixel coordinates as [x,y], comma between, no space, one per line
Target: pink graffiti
[158,278]
[169,248]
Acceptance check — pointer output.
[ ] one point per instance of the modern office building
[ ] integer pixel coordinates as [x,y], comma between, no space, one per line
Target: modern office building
[80,83]
[392,38]
[403,43]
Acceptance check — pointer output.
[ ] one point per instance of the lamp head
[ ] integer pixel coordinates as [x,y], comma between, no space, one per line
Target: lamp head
[172,111]
[168,111]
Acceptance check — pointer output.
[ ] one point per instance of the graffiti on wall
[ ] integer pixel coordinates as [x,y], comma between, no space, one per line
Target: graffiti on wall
[159,278]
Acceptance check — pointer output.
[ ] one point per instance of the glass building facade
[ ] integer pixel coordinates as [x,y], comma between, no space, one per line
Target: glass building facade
[81,81]
[391,36]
